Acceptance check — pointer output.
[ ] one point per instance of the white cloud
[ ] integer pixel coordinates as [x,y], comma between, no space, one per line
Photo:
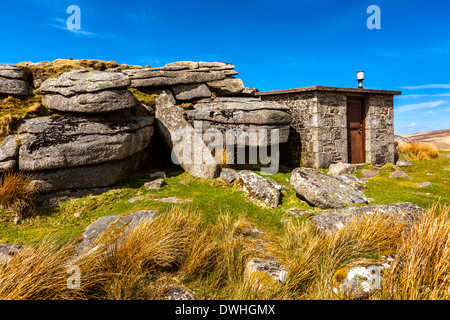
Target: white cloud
[411,125]
[62,24]
[418,106]
[429,86]
[414,96]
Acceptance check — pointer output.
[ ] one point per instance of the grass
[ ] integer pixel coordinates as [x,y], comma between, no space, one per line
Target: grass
[418,150]
[57,67]
[144,98]
[178,247]
[203,245]
[17,194]
[13,110]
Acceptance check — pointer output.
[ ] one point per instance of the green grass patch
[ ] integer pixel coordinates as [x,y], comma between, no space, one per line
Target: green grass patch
[214,197]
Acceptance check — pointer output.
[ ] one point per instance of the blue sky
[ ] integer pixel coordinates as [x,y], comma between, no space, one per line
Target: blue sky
[273,44]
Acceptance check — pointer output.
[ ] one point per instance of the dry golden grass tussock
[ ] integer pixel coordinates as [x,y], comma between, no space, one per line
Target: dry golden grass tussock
[421,269]
[42,274]
[312,257]
[223,157]
[17,193]
[419,151]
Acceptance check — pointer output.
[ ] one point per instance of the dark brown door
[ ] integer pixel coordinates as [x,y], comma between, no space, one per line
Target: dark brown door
[355,128]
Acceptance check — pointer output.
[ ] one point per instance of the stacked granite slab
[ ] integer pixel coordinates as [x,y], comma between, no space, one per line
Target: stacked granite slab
[189,80]
[213,98]
[242,120]
[14,80]
[92,140]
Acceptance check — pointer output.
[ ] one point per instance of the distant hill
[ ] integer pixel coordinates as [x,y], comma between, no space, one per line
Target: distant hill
[440,138]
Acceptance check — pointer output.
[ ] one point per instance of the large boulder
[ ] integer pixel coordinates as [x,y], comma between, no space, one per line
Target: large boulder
[191,91]
[258,188]
[13,80]
[231,87]
[87,177]
[63,141]
[100,102]
[324,191]
[187,146]
[332,220]
[84,81]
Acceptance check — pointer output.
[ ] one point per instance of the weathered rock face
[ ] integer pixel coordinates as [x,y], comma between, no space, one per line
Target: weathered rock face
[332,220]
[231,87]
[157,77]
[258,188]
[191,91]
[228,175]
[72,141]
[187,146]
[324,191]
[13,72]
[101,102]
[84,81]
[9,151]
[90,141]
[246,120]
[13,81]
[87,177]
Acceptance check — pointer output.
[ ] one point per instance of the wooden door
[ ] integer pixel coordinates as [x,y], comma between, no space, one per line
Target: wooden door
[355,129]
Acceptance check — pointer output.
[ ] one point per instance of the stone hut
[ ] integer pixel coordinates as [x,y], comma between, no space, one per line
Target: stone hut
[331,124]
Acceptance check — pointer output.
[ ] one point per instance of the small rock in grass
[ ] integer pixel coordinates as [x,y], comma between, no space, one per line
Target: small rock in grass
[424,184]
[133,200]
[169,200]
[155,184]
[298,212]
[178,293]
[399,174]
[370,173]
[403,163]
[269,267]
[337,169]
